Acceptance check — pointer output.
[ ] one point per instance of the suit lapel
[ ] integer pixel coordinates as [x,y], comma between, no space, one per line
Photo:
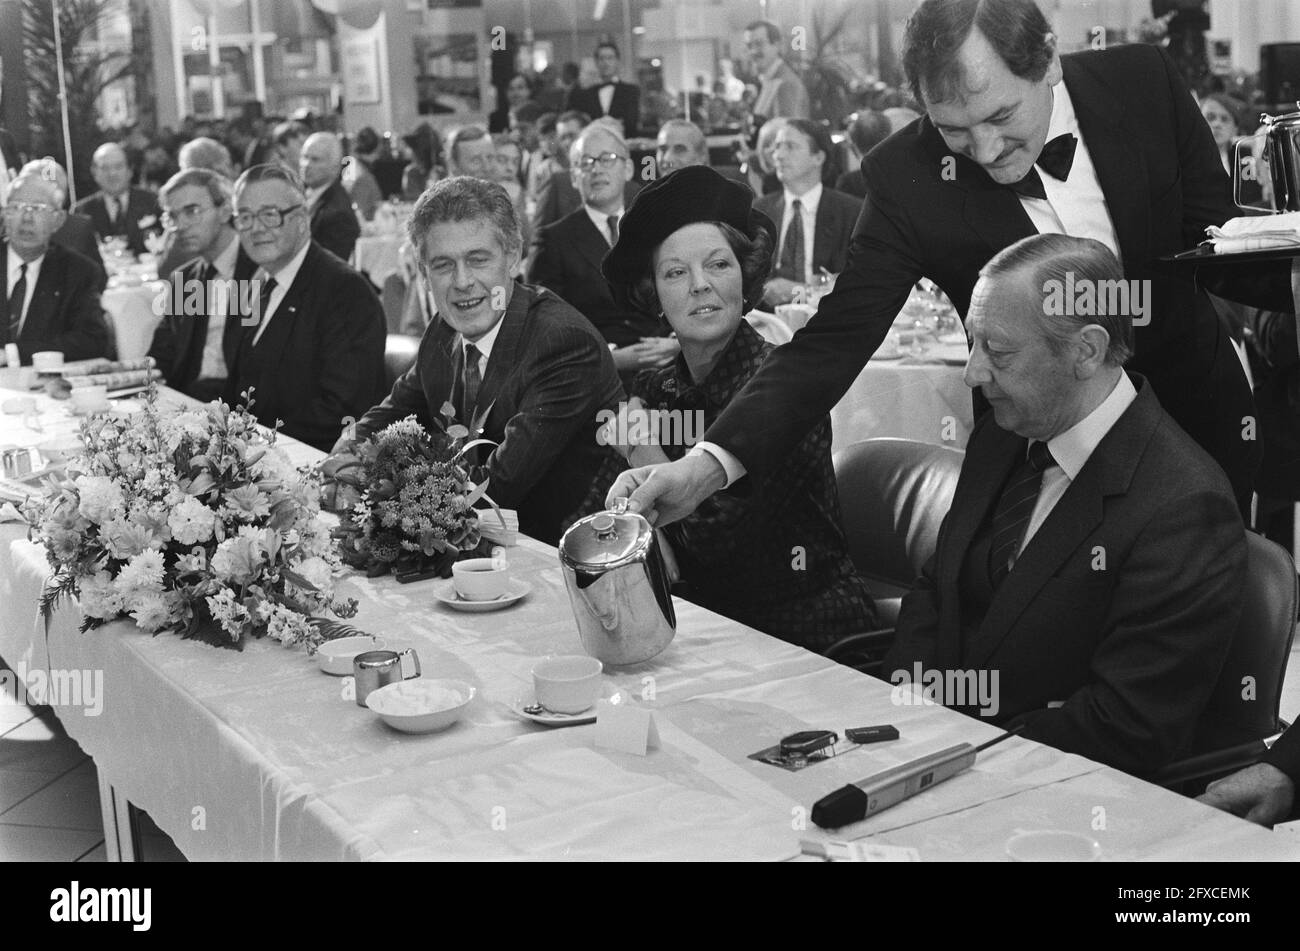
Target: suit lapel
[504,351]
[1108,471]
[589,241]
[822,233]
[1119,163]
[46,294]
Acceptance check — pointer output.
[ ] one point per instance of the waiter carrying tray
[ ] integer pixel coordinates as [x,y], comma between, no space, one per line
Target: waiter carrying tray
[1017,139]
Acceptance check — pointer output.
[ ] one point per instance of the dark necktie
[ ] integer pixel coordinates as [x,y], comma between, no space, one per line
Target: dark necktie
[210,298]
[263,303]
[1015,506]
[473,380]
[612,223]
[791,266]
[1056,158]
[17,298]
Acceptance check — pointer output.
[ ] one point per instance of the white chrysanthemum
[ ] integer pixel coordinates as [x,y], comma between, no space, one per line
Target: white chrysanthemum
[229,613]
[101,498]
[191,521]
[99,595]
[316,570]
[142,575]
[153,612]
[276,465]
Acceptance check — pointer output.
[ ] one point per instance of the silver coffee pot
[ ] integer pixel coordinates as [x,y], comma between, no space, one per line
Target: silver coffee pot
[618,587]
[1270,161]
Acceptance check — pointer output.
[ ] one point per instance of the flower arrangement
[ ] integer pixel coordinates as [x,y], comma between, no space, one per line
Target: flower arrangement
[192,522]
[415,512]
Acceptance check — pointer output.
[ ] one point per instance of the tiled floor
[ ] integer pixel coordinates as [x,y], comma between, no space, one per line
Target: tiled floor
[49,797]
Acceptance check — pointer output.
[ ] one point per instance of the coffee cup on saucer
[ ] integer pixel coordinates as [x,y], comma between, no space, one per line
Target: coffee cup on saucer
[567,684]
[89,399]
[481,579]
[47,361]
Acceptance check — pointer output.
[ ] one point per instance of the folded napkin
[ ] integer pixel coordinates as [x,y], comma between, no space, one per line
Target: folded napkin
[1256,233]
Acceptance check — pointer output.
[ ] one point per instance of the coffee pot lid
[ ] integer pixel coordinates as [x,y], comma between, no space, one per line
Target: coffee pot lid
[606,540]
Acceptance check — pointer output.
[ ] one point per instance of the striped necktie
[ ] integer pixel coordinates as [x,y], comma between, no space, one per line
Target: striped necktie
[17,298]
[1015,506]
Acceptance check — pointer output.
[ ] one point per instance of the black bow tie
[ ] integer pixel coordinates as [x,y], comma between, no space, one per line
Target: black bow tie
[612,82]
[1055,159]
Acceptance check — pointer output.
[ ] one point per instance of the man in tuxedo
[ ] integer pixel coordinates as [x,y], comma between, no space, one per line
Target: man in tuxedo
[195,343]
[1130,163]
[77,233]
[815,223]
[610,96]
[518,363]
[313,348]
[782,93]
[1264,792]
[119,208]
[51,299]
[334,224]
[1090,567]
[567,255]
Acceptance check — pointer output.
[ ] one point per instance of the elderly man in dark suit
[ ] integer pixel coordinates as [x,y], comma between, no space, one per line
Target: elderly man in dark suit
[195,343]
[51,299]
[77,233]
[611,96]
[119,209]
[313,347]
[518,364]
[815,223]
[567,255]
[1140,173]
[334,224]
[1091,565]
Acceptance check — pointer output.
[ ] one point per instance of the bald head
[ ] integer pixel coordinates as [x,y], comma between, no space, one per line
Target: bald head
[321,159]
[51,171]
[681,143]
[206,153]
[110,169]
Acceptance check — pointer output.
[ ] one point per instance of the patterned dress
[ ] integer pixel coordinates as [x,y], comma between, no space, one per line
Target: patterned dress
[768,552]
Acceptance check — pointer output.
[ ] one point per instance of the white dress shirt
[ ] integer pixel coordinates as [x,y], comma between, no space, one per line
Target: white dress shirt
[601,221]
[283,281]
[1072,448]
[809,201]
[606,96]
[213,363]
[33,272]
[313,195]
[1075,206]
[484,345]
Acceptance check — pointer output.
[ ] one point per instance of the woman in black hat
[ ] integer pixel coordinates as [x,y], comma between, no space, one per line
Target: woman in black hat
[768,552]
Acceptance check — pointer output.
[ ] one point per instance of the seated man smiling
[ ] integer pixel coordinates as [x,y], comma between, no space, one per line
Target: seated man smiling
[1090,569]
[512,359]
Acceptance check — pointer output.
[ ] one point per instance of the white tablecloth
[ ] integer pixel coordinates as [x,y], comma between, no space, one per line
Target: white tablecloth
[134,312]
[259,755]
[927,402]
[379,256]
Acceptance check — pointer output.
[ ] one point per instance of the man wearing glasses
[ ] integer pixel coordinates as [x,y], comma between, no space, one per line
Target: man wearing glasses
[312,347]
[51,299]
[567,254]
[194,344]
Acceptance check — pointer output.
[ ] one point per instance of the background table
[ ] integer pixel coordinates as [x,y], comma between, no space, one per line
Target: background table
[133,315]
[928,402]
[258,755]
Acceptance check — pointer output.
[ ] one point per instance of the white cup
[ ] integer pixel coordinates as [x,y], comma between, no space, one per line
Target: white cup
[567,684]
[47,361]
[481,579]
[89,399]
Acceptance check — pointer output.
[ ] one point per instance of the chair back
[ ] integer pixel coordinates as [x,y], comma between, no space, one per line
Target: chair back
[894,494]
[1247,696]
[399,355]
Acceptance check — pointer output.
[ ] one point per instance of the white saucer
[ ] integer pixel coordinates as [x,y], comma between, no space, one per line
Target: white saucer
[527,699]
[889,354]
[446,593]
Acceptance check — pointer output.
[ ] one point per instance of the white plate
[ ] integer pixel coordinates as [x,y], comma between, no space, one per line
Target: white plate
[527,699]
[446,593]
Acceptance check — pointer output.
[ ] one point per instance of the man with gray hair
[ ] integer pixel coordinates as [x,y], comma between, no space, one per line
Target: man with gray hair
[521,367]
[1093,557]
[680,143]
[312,335]
[77,233]
[334,224]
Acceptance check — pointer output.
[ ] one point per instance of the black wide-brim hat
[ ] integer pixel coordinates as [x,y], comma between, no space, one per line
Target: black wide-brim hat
[684,197]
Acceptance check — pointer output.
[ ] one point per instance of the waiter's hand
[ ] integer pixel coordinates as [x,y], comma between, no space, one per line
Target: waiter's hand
[1261,793]
[670,492]
[779,290]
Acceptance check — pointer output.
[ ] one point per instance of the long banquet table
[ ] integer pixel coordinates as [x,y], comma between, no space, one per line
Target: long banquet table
[259,755]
